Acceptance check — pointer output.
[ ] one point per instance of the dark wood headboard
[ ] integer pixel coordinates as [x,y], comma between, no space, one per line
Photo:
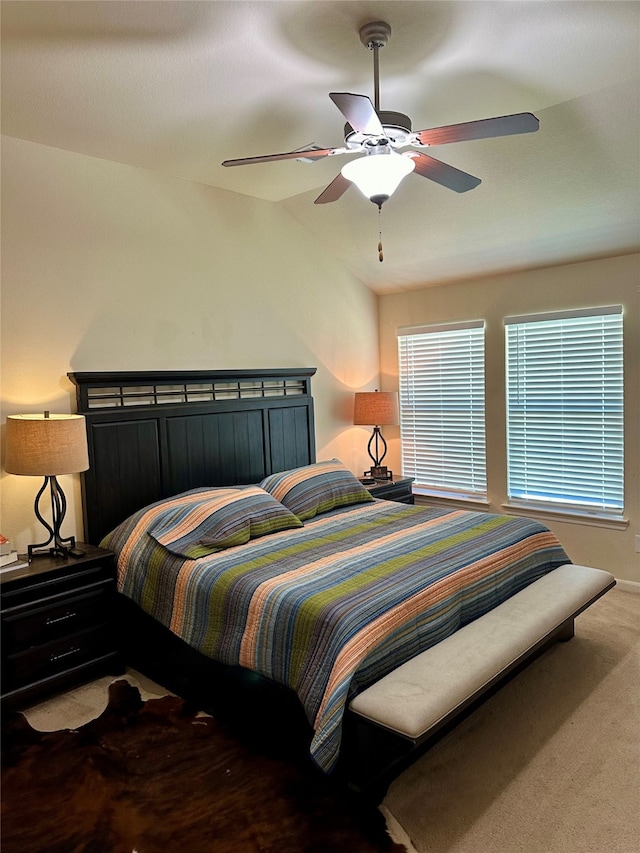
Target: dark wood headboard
[156,434]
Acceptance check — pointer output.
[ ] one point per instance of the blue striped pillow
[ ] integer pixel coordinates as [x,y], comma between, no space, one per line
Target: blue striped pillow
[314,489]
[218,519]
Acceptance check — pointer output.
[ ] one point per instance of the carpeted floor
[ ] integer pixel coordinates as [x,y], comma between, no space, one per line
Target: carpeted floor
[550,764]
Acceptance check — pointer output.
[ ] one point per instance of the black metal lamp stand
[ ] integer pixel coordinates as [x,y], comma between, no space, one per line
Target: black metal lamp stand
[61,546]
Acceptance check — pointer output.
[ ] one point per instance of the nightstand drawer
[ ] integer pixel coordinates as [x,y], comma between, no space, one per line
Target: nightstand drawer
[28,626]
[49,586]
[41,662]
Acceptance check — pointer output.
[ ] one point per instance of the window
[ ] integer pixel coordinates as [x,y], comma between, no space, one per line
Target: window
[442,408]
[565,410]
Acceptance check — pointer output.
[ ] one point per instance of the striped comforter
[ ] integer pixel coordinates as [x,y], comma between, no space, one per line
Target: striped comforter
[329,608]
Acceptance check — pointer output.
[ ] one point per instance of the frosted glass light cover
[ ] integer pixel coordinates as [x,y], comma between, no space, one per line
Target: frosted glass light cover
[378,175]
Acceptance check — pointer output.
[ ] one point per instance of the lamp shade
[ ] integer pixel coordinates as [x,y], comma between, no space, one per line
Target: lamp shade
[376,408]
[377,176]
[46,445]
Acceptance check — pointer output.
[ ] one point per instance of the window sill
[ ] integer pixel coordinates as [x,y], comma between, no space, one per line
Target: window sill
[571,517]
[423,496]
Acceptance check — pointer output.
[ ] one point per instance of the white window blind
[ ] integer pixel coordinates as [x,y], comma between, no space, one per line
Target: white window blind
[442,408]
[565,428]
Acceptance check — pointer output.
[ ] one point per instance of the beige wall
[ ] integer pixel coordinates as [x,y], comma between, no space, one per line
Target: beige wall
[605,282]
[109,267]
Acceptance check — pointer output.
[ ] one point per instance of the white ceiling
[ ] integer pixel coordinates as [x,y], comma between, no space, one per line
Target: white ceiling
[181,86]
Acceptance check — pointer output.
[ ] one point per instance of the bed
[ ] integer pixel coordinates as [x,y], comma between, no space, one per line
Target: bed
[238,552]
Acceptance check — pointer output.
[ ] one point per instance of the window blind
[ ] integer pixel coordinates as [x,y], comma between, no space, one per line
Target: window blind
[442,423]
[565,429]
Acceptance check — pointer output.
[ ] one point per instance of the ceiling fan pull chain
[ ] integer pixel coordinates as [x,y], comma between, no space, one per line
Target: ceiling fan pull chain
[380,255]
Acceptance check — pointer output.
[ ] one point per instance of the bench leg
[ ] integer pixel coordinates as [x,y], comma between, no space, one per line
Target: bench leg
[566,631]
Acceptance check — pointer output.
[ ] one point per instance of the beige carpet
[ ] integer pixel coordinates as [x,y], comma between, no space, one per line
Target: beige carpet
[550,764]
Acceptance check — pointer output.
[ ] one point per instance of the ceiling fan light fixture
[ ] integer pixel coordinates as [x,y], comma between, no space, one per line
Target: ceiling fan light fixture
[378,175]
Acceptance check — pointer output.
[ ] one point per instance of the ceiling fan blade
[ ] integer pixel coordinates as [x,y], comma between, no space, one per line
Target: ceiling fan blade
[482,129]
[309,154]
[338,186]
[359,112]
[442,173]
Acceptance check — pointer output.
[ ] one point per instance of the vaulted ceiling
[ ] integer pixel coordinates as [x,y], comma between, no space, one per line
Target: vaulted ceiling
[179,87]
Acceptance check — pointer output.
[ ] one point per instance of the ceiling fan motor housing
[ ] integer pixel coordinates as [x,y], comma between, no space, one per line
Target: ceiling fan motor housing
[375,34]
[397,128]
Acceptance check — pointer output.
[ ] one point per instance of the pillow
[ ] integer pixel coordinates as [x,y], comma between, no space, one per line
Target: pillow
[314,489]
[220,519]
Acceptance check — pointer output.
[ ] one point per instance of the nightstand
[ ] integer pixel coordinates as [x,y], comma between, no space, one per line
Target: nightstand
[57,624]
[393,490]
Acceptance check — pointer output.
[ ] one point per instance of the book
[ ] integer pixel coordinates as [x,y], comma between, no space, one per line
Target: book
[11,567]
[10,557]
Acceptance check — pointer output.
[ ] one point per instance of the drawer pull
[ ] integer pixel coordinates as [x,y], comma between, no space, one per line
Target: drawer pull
[70,615]
[73,651]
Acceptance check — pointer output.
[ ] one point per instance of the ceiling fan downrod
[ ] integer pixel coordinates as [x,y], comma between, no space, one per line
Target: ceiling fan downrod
[374,36]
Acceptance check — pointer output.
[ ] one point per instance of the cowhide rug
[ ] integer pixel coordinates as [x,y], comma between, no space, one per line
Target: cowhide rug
[151,776]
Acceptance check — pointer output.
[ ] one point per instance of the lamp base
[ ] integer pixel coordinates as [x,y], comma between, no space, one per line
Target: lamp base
[57,550]
[379,472]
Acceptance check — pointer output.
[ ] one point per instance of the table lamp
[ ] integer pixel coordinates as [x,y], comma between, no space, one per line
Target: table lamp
[376,408]
[47,445]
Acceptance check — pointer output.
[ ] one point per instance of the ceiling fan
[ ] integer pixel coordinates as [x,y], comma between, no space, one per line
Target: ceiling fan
[378,134]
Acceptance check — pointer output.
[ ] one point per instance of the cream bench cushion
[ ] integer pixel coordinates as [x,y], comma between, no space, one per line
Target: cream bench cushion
[418,694]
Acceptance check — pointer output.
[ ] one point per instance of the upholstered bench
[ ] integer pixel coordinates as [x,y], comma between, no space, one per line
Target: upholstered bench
[421,696]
